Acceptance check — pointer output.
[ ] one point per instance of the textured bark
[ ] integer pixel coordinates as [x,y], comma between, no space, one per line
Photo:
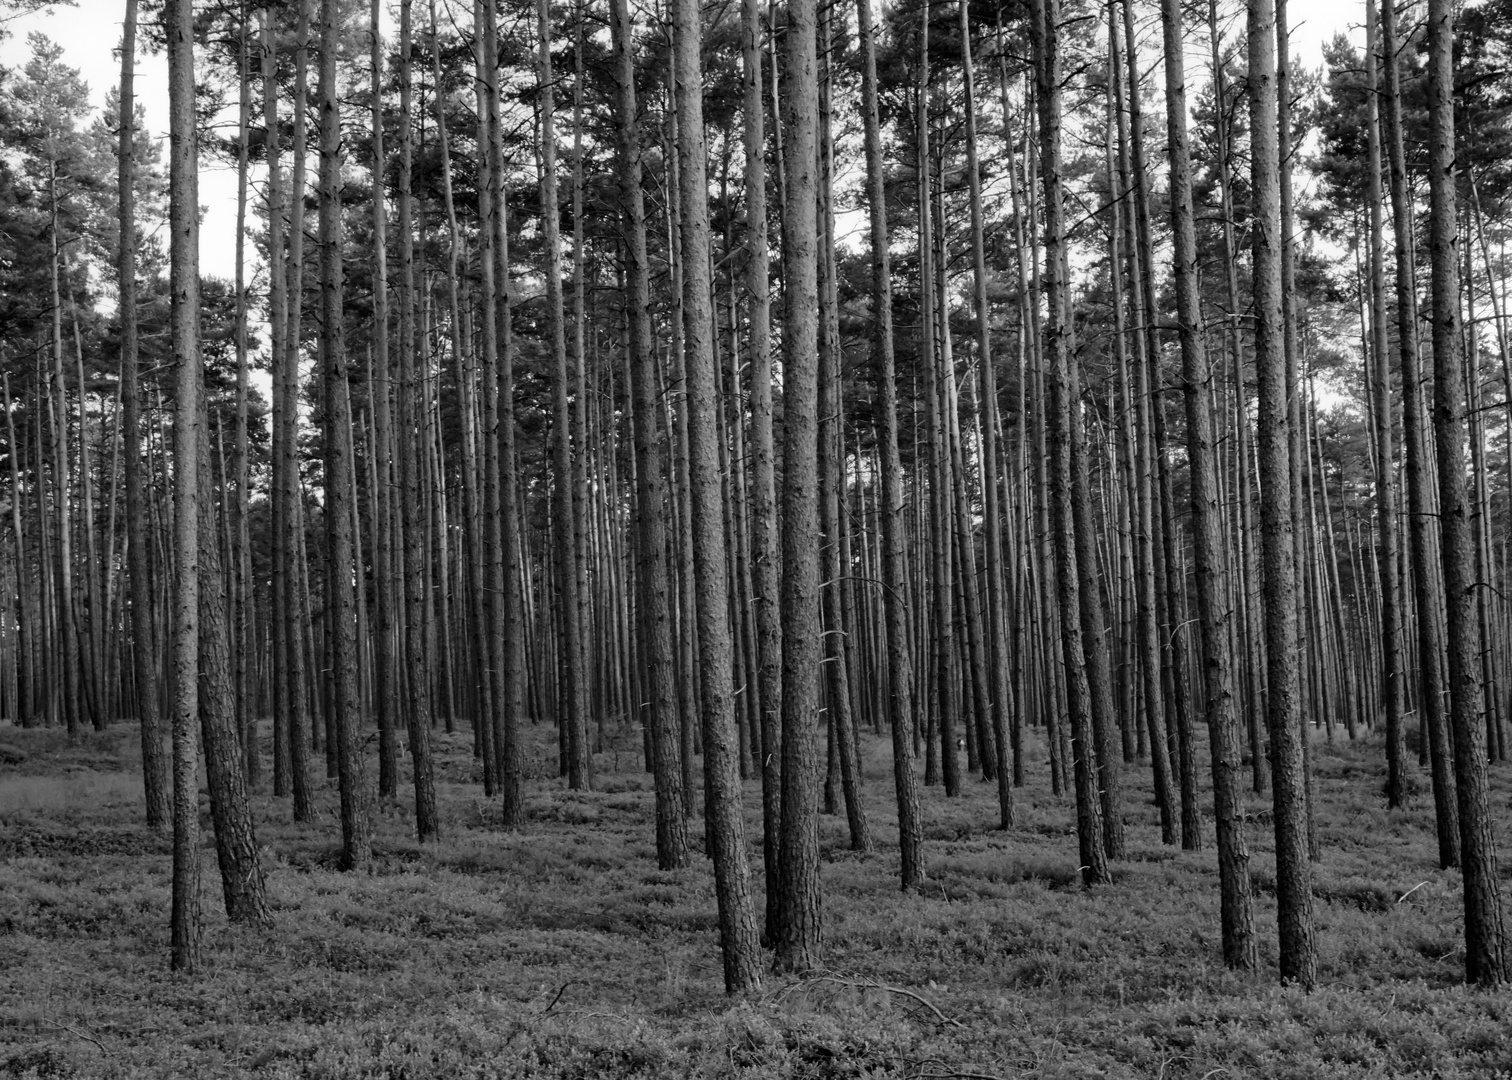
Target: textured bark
[1064,412]
[240,553]
[286,482]
[998,665]
[834,612]
[1236,908]
[1386,503]
[242,883]
[411,468]
[385,580]
[63,566]
[25,678]
[1292,351]
[506,619]
[1421,504]
[900,696]
[356,826]
[1288,780]
[726,828]
[766,571]
[183,247]
[145,655]
[565,533]
[660,708]
[1146,509]
[1485,937]
[798,932]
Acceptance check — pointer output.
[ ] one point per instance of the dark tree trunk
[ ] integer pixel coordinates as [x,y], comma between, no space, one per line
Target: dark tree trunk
[1485,939]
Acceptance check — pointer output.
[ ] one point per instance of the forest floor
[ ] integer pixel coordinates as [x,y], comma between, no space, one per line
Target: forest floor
[561,951]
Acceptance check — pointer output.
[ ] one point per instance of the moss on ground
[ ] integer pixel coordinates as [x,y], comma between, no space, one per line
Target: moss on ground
[561,951]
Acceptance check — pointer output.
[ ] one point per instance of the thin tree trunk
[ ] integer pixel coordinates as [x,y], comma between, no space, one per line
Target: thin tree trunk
[286,402]
[650,470]
[900,696]
[1391,619]
[379,392]
[356,827]
[579,755]
[145,650]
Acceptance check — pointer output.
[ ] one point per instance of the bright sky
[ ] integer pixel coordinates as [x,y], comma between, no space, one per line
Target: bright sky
[90,33]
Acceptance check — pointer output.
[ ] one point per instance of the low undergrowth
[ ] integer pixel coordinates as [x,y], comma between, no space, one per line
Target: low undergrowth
[562,951]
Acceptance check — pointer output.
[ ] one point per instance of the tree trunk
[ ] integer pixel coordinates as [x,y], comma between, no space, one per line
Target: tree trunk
[356,828]
[1236,907]
[1391,618]
[900,696]
[799,935]
[660,711]
[411,468]
[999,669]
[1288,780]
[183,210]
[1064,411]
[1421,505]
[1485,946]
[286,401]
[565,538]
[726,828]
[145,647]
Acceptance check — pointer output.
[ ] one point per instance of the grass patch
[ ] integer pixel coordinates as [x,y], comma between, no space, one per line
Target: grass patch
[562,951]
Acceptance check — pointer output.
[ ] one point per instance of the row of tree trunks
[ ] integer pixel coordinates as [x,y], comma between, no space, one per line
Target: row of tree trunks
[1075,567]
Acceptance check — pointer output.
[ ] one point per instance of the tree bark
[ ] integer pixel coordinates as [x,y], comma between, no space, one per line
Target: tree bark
[145,651]
[1485,938]
[183,211]
[1421,504]
[799,932]
[1236,908]
[660,710]
[900,696]
[1064,411]
[1288,780]
[1386,509]
[726,827]
[356,826]
[565,538]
